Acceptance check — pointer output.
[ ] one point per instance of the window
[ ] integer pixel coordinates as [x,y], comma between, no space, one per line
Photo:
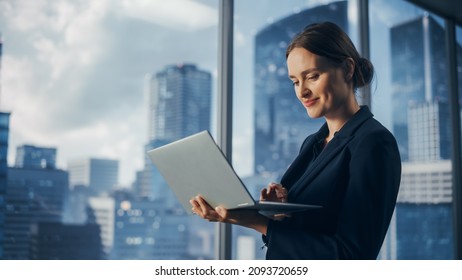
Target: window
[269,123]
[411,97]
[89,78]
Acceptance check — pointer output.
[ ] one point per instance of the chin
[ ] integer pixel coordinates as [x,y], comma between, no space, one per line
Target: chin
[313,114]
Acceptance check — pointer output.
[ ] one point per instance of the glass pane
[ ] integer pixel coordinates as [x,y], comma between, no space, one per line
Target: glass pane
[410,97]
[269,122]
[93,85]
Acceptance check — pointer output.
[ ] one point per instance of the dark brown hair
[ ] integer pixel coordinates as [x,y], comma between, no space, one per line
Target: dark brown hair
[329,40]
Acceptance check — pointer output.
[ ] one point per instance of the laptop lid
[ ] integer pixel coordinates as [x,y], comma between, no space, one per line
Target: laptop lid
[195,165]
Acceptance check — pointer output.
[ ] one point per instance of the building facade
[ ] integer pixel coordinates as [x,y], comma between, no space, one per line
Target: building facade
[101,212]
[145,230]
[179,106]
[32,196]
[4,132]
[421,125]
[57,241]
[29,156]
[98,175]
[419,75]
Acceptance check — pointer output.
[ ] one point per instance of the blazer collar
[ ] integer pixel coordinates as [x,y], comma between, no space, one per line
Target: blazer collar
[297,176]
[355,122]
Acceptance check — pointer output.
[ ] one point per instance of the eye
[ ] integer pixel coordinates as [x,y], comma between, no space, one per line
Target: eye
[295,83]
[313,77]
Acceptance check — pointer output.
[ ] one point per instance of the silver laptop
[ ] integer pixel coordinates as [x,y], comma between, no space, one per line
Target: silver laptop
[195,165]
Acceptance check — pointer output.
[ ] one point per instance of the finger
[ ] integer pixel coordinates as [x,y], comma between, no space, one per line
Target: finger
[271,189]
[204,206]
[263,195]
[207,211]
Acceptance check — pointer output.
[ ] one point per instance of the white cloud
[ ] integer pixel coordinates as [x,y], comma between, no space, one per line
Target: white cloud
[69,72]
[183,15]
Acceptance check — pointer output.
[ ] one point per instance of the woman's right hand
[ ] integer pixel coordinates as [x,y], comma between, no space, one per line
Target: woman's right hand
[274,192]
[277,193]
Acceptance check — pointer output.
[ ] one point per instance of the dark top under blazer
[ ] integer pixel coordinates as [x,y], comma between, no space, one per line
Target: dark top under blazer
[356,179]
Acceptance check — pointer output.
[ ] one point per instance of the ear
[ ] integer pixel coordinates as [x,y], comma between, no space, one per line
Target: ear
[349,69]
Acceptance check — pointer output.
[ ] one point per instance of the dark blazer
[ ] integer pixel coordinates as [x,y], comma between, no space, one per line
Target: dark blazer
[356,179]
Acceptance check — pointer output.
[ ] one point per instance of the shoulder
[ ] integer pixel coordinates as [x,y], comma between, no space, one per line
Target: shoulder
[373,137]
[372,129]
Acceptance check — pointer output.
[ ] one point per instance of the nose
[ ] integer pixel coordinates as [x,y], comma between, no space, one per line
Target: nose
[303,90]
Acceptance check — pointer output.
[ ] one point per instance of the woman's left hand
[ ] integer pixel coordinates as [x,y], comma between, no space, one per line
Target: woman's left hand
[247,218]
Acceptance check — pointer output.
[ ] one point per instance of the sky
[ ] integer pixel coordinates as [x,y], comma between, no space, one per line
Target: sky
[73,71]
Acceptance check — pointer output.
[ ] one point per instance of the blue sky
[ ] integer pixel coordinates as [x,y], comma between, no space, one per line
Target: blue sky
[73,70]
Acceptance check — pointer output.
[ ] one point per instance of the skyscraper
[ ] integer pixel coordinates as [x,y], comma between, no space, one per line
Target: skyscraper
[281,123]
[28,156]
[32,196]
[179,105]
[4,131]
[179,102]
[419,72]
[98,175]
[144,229]
[424,211]
[421,125]
[101,211]
[55,241]
[429,131]
[152,224]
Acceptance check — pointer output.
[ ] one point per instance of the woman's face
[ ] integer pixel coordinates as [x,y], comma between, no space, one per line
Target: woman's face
[320,86]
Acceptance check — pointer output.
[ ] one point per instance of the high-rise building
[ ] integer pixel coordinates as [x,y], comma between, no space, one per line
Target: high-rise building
[419,73]
[179,105]
[424,211]
[281,122]
[421,125]
[146,230]
[151,224]
[32,196]
[101,211]
[28,156]
[98,175]
[4,131]
[56,241]
[429,130]
[179,102]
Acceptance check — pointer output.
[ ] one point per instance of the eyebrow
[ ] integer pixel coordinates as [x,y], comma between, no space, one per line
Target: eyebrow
[304,72]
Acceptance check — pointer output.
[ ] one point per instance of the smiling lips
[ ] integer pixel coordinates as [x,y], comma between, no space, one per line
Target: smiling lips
[310,102]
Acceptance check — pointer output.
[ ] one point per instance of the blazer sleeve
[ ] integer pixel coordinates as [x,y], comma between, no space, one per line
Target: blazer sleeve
[369,200]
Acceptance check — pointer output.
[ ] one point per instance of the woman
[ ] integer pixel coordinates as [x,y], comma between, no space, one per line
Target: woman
[351,166]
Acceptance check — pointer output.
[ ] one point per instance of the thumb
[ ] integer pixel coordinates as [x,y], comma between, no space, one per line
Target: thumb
[221,211]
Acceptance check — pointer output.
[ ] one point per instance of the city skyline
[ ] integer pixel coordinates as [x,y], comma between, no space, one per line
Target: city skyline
[100,106]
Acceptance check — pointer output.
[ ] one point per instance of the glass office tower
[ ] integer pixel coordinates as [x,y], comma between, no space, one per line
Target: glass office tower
[421,125]
[33,196]
[281,122]
[150,223]
[29,156]
[4,131]
[419,72]
[97,175]
[179,105]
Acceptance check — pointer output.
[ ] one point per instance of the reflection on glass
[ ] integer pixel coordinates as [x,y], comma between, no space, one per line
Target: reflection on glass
[413,100]
[93,85]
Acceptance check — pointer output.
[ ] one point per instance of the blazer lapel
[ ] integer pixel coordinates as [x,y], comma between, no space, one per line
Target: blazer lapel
[292,175]
[300,182]
[330,152]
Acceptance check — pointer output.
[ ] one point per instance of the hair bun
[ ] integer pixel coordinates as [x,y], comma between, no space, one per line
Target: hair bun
[366,71]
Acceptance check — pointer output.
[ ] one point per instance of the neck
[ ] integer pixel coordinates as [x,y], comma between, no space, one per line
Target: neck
[335,123]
